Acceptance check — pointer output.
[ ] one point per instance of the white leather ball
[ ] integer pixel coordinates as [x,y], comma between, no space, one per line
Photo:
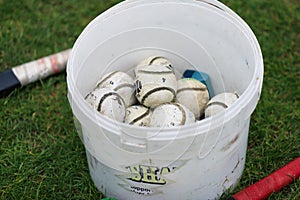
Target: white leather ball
[154,60]
[138,115]
[192,94]
[171,114]
[220,103]
[107,102]
[155,85]
[120,82]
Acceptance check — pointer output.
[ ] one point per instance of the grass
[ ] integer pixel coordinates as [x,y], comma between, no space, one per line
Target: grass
[41,155]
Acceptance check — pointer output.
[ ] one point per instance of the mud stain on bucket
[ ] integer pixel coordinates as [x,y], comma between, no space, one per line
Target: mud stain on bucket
[227,146]
[228,182]
[93,161]
[237,164]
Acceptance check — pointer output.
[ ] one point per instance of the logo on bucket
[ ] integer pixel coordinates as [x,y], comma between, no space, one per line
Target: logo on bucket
[148,174]
[146,180]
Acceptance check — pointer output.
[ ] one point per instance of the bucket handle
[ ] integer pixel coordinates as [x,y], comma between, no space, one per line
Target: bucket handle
[212,4]
[133,144]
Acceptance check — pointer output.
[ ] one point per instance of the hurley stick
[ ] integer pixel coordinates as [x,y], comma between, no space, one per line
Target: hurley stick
[270,184]
[32,71]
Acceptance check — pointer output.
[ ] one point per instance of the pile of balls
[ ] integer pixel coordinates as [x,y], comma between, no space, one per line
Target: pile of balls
[154,97]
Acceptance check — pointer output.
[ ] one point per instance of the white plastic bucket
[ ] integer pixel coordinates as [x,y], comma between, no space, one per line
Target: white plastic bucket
[198,161]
